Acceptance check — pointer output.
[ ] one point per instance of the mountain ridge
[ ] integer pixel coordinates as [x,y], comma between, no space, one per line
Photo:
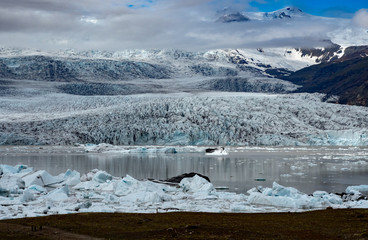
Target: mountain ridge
[347,79]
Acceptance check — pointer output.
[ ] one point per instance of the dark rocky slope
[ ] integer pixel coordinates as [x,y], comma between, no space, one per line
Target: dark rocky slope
[346,79]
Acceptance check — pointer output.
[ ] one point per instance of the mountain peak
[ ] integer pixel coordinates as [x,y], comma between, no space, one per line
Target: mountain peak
[228,15]
[285,13]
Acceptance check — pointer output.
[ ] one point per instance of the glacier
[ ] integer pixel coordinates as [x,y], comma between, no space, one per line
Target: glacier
[170,97]
[192,118]
[30,193]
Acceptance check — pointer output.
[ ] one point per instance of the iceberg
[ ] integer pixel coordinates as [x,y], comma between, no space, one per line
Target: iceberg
[10,184]
[98,191]
[196,184]
[102,177]
[27,196]
[41,178]
[288,197]
[72,178]
[59,194]
[356,189]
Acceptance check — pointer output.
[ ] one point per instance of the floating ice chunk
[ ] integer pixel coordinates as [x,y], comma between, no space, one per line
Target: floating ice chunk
[7,169]
[356,189]
[288,197]
[278,201]
[71,173]
[144,192]
[41,178]
[153,150]
[24,172]
[320,193]
[296,167]
[286,175]
[72,181]
[311,164]
[99,207]
[102,147]
[72,178]
[27,196]
[88,176]
[150,197]
[170,150]
[85,205]
[89,147]
[361,204]
[4,169]
[298,174]
[22,168]
[241,208]
[106,187]
[96,186]
[111,198]
[279,190]
[102,177]
[87,185]
[11,184]
[59,194]
[37,188]
[196,184]
[324,198]
[127,185]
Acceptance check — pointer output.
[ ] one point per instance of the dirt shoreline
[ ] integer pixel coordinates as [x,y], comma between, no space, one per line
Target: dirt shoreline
[326,224]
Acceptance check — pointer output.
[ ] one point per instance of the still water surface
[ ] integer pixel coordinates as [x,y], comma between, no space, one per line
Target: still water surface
[307,169]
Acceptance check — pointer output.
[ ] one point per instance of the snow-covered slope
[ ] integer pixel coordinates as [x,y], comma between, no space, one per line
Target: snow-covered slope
[67,66]
[182,119]
[284,13]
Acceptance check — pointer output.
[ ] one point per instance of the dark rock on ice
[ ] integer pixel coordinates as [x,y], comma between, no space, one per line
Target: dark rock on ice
[178,179]
[349,197]
[211,150]
[174,181]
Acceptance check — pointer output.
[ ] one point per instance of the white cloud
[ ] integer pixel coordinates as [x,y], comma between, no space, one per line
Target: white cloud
[112,25]
[89,20]
[361,18]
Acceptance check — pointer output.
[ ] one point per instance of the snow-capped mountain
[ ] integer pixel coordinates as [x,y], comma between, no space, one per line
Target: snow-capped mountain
[230,15]
[157,64]
[338,30]
[112,73]
[285,13]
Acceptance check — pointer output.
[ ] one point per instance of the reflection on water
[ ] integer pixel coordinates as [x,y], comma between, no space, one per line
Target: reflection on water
[306,170]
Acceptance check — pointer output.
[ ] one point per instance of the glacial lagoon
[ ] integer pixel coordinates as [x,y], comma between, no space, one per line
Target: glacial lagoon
[330,169]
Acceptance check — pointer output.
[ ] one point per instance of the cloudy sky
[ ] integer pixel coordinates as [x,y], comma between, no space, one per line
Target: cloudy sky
[182,24]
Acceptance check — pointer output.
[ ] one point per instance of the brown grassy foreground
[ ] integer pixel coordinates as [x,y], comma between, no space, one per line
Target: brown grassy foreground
[328,224]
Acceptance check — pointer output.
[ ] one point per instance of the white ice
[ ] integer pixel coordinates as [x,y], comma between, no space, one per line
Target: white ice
[98,191]
[201,119]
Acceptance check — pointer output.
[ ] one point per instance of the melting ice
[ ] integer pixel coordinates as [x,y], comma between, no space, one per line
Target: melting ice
[28,193]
